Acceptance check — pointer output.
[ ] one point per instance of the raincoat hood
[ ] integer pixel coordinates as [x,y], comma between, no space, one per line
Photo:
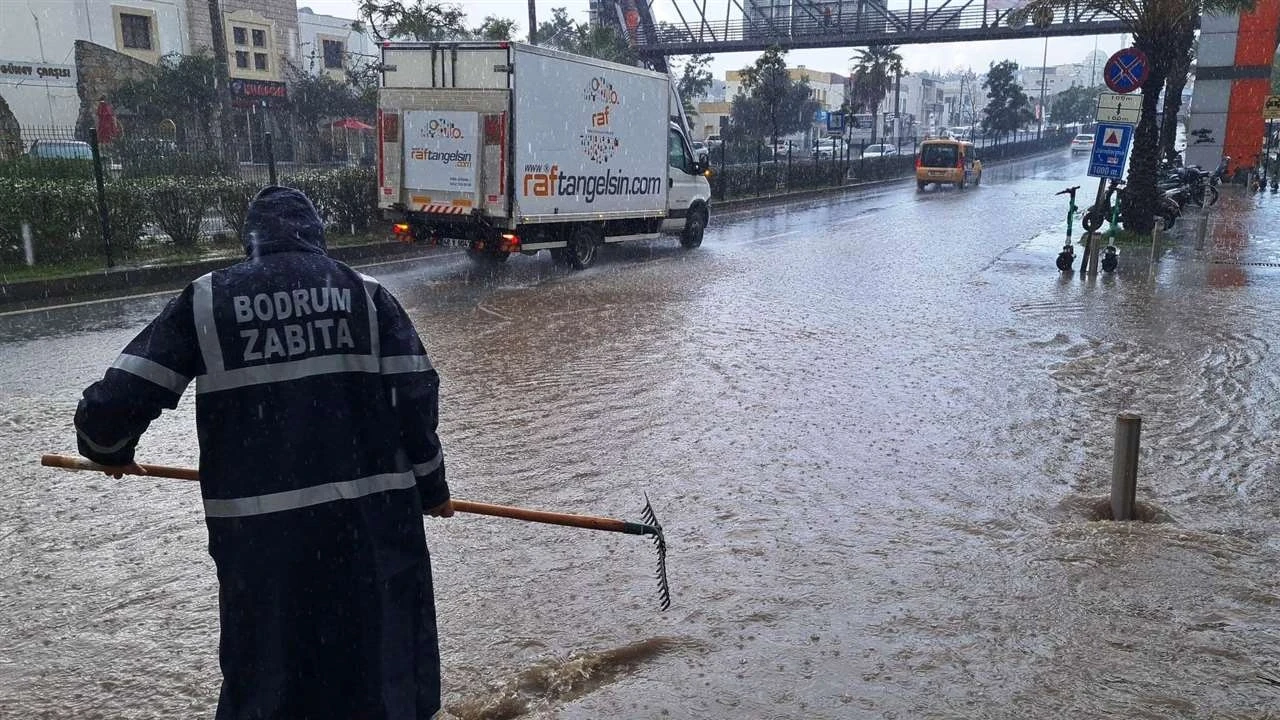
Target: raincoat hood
[282,219]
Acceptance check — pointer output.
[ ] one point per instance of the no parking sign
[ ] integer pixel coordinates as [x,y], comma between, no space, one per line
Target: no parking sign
[1126,70]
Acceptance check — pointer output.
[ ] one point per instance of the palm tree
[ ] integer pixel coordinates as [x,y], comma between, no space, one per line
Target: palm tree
[1159,29]
[874,72]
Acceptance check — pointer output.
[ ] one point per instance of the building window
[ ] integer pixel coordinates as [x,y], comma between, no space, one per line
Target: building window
[135,31]
[333,52]
[260,38]
[242,59]
[260,61]
[238,36]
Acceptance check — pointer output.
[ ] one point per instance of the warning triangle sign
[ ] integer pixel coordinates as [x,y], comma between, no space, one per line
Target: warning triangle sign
[1112,139]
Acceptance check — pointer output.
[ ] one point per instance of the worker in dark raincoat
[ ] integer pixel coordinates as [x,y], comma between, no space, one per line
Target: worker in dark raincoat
[316,414]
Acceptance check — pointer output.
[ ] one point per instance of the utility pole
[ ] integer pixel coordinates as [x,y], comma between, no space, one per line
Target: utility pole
[1043,68]
[223,80]
[533,24]
[897,108]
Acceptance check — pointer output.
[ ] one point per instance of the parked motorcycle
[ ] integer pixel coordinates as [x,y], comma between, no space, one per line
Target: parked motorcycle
[1167,210]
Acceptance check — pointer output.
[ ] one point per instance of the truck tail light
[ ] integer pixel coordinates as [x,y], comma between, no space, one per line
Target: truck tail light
[403,232]
[509,242]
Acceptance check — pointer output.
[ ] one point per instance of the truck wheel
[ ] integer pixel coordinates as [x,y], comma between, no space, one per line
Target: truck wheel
[694,227]
[583,245]
[920,185]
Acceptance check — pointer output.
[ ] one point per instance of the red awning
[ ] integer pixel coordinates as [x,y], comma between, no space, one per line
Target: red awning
[351,123]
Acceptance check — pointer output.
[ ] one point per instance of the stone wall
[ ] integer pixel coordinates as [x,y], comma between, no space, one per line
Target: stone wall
[100,71]
[10,133]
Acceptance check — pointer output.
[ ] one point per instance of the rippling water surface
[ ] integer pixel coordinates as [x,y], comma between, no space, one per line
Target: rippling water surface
[877,430]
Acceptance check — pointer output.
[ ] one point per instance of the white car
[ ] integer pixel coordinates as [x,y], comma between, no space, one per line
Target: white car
[827,149]
[875,151]
[1081,143]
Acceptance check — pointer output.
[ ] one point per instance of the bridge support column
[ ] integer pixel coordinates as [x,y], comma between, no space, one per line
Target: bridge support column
[1233,78]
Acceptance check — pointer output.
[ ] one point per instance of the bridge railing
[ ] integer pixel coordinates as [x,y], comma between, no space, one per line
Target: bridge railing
[867,22]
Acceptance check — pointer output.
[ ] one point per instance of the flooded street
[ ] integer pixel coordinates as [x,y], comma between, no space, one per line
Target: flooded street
[876,429]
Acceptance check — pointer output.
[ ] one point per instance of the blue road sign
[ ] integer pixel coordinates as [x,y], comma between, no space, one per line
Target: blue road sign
[1126,70]
[835,122]
[820,116]
[1110,148]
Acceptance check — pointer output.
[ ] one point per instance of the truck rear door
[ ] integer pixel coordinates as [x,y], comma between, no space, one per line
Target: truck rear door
[445,129]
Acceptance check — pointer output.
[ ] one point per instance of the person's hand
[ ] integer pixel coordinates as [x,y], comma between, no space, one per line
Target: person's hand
[132,468]
[444,509]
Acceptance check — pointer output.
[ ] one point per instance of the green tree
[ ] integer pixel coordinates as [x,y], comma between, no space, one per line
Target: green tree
[771,104]
[495,28]
[874,72]
[1008,107]
[562,32]
[1077,104]
[1158,28]
[418,20]
[695,80]
[182,89]
[317,98]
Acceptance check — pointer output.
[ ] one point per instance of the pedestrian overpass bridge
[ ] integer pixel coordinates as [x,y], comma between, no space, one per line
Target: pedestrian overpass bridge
[690,26]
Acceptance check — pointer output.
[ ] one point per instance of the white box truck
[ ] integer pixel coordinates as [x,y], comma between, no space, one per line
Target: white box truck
[502,147]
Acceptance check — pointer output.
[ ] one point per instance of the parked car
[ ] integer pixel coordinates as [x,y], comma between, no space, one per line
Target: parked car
[69,150]
[826,149]
[61,150]
[714,141]
[1081,143]
[881,150]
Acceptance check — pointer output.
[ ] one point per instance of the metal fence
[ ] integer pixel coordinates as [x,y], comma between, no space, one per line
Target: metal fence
[752,169]
[251,158]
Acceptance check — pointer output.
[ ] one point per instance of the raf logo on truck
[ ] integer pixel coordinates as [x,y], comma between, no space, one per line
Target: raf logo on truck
[598,142]
[441,128]
[455,158]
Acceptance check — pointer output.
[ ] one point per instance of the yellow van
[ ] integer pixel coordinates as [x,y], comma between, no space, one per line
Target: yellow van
[947,160]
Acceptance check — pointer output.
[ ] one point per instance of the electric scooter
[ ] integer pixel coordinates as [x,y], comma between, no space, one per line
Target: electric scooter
[1068,254]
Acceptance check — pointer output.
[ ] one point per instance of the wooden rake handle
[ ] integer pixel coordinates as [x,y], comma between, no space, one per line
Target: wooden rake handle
[589,522]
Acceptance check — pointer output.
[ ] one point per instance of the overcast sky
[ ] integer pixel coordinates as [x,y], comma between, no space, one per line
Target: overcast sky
[940,57]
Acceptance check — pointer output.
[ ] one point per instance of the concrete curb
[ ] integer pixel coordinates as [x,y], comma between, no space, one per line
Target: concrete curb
[31,294]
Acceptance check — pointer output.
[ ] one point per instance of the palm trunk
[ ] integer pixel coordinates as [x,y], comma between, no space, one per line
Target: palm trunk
[1143,197]
[875,122]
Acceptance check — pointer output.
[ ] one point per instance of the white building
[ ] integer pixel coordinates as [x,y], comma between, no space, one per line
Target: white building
[41,81]
[328,44]
[38,72]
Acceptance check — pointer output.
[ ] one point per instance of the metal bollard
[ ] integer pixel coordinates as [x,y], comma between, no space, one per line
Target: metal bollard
[28,245]
[1124,468]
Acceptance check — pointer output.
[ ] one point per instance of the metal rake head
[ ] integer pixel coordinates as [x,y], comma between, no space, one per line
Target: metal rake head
[654,529]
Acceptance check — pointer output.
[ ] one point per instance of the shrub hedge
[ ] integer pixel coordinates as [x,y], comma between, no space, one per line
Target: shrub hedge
[63,211]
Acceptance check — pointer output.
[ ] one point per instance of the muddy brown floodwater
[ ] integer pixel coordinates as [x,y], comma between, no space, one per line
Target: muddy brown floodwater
[875,428]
